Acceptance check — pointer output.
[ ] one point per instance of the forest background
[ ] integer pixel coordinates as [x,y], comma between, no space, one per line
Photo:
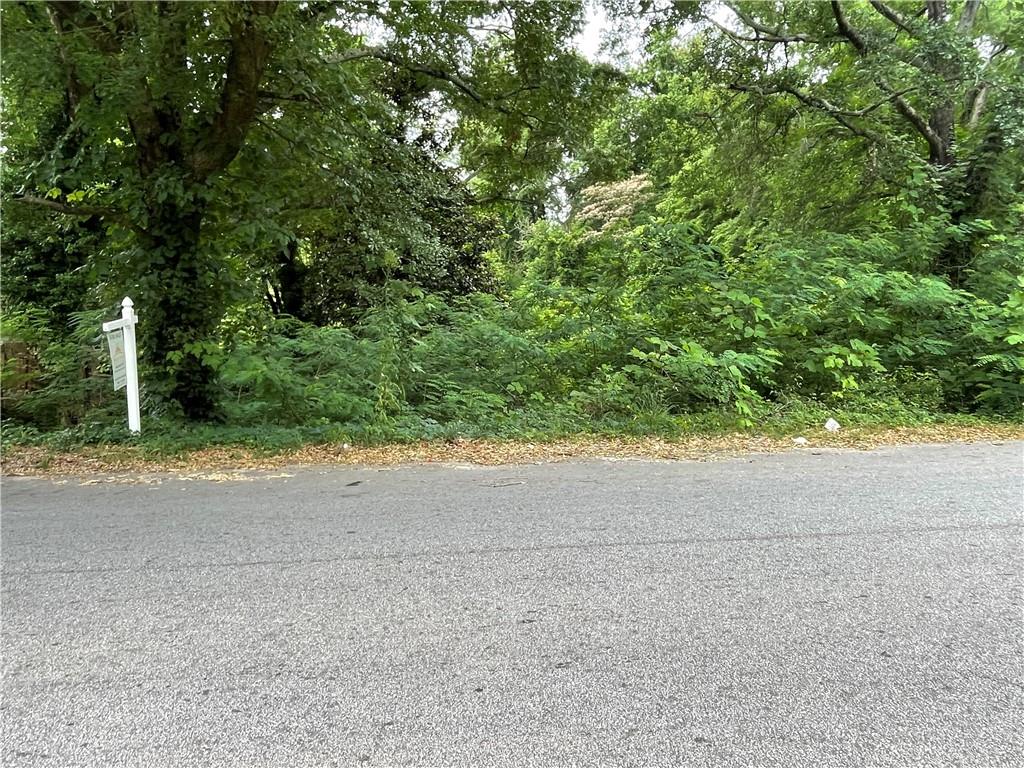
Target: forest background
[378,221]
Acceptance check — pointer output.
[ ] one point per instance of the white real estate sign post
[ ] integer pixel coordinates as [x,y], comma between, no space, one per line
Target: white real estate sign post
[121,339]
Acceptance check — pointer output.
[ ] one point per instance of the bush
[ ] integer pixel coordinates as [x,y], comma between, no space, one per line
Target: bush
[299,374]
[49,381]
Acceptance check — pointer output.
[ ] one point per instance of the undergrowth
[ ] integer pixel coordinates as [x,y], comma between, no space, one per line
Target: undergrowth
[643,330]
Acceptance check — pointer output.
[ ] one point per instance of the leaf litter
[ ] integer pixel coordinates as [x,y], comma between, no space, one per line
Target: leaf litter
[129,464]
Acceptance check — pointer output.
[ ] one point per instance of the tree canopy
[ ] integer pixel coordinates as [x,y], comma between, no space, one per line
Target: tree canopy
[444,213]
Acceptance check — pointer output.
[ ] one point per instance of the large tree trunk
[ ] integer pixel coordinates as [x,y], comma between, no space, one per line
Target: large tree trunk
[942,115]
[187,310]
[968,202]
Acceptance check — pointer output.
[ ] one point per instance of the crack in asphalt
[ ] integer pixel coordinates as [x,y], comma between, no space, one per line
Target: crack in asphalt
[421,554]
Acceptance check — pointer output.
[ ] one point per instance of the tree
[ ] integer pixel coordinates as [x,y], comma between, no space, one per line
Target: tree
[932,72]
[162,117]
[153,112]
[865,90]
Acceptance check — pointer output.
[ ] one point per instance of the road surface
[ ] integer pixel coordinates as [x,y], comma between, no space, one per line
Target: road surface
[805,609]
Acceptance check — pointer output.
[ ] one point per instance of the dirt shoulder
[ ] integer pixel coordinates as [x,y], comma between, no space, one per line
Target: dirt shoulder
[42,461]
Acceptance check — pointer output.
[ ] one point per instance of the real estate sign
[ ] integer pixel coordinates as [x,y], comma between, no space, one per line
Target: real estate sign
[115,340]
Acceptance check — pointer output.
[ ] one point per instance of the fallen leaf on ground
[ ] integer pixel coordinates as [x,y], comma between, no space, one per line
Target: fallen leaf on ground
[225,464]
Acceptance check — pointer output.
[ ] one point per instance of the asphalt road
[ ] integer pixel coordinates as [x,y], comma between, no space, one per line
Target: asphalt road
[792,610]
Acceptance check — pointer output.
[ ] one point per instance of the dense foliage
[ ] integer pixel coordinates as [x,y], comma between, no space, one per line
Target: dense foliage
[396,219]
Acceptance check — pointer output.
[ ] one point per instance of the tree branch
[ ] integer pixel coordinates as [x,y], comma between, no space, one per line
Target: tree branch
[822,105]
[976,105]
[382,54]
[902,105]
[274,96]
[733,35]
[87,211]
[893,16]
[762,34]
[145,119]
[846,30]
[77,16]
[915,119]
[70,16]
[250,52]
[73,85]
[74,15]
[967,16]
[437,73]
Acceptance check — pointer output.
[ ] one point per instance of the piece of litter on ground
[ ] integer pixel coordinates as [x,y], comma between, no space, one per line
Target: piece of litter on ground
[832,425]
[800,440]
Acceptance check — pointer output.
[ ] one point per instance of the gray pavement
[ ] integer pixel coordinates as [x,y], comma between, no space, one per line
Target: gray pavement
[791,610]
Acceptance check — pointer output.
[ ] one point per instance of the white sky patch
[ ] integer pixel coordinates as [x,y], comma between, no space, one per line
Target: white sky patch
[589,41]
[620,41]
